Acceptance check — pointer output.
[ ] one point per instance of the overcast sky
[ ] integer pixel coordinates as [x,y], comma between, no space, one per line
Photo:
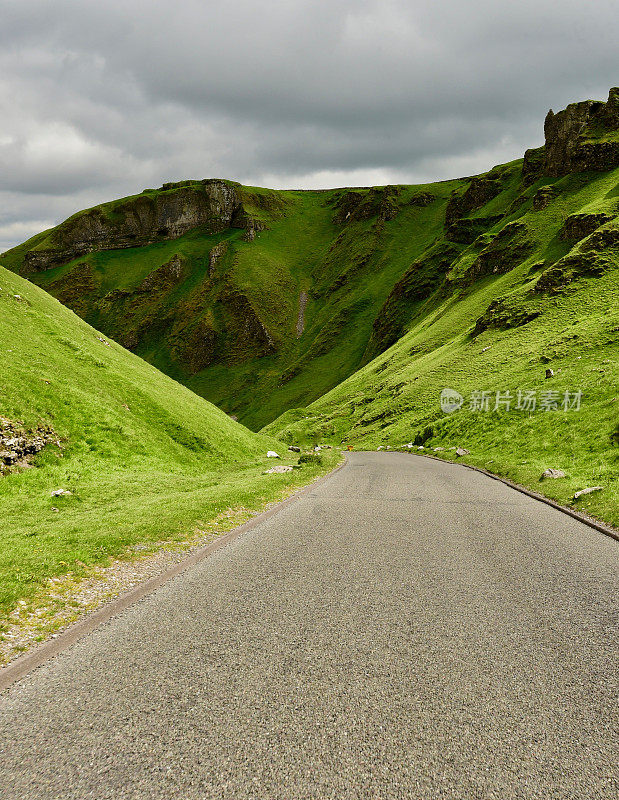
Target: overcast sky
[102,99]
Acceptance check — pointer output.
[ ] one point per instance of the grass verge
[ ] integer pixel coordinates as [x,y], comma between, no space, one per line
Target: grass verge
[110,557]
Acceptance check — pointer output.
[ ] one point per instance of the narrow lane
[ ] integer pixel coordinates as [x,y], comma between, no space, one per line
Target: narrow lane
[408,629]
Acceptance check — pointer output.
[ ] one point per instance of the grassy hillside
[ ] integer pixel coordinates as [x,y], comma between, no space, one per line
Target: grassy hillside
[550,300]
[217,307]
[142,457]
[344,313]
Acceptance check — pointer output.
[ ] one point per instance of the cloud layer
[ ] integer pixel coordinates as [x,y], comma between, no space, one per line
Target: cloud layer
[103,99]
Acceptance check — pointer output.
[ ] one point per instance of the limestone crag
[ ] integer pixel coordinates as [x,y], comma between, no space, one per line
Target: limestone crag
[506,250]
[544,197]
[357,206]
[580,138]
[579,226]
[138,221]
[164,277]
[480,191]
[19,445]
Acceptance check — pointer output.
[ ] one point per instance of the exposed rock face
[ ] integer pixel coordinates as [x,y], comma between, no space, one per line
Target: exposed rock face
[591,258]
[18,446]
[215,256]
[579,226]
[138,221]
[533,165]
[580,138]
[421,279]
[246,334]
[358,206]
[198,347]
[508,249]
[253,226]
[503,314]
[479,192]
[544,197]
[422,199]
[76,289]
[164,277]
[125,314]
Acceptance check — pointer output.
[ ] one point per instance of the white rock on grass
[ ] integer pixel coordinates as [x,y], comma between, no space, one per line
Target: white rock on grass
[552,473]
[462,451]
[278,469]
[272,454]
[588,490]
[60,492]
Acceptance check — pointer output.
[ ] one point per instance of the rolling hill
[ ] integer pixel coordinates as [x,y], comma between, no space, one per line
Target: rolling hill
[99,451]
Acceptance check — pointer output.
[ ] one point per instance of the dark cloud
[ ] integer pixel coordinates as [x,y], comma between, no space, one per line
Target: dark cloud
[101,99]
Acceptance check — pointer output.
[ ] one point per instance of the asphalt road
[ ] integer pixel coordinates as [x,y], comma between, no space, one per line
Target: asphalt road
[408,629]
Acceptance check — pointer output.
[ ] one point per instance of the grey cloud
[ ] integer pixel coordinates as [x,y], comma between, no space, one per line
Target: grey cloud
[102,99]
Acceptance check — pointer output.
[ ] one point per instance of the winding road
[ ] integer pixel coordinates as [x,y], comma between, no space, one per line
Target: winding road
[406,629]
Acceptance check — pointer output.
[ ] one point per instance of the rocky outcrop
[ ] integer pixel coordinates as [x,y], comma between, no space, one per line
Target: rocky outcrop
[591,258]
[420,280]
[246,334]
[480,191]
[603,239]
[197,347]
[359,206]
[580,138]
[252,226]
[140,220]
[533,165]
[544,197]
[509,248]
[215,255]
[19,445]
[76,289]
[579,226]
[422,199]
[164,277]
[502,314]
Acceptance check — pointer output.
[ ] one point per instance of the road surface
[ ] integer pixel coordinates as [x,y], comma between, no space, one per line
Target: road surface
[407,629]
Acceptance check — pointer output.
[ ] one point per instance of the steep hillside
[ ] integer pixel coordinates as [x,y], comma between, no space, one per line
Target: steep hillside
[257,300]
[529,305]
[99,451]
[264,300]
[350,310]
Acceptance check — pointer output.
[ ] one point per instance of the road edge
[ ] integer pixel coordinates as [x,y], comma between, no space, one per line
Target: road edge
[607,530]
[39,655]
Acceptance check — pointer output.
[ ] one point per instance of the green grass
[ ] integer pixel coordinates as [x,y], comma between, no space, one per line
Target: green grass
[395,398]
[348,269]
[400,306]
[144,458]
